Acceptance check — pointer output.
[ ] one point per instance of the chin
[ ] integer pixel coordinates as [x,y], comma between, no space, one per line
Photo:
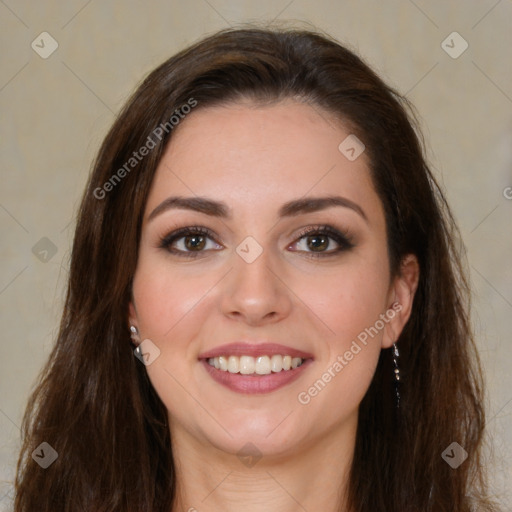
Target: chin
[264,433]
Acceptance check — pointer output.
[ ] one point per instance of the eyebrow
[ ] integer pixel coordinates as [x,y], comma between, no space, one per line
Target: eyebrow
[221,210]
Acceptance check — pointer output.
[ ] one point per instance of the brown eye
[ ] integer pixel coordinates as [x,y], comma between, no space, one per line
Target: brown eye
[190,241]
[323,241]
[194,242]
[318,242]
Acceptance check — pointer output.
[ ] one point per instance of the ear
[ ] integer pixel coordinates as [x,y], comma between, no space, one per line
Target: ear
[400,299]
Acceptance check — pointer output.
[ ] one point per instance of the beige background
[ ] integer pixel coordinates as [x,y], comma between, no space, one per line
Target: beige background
[55,112]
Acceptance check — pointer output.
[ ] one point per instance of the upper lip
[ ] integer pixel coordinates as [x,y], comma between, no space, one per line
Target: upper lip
[254,350]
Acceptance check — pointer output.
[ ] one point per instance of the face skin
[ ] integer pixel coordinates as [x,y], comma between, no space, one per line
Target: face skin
[255,159]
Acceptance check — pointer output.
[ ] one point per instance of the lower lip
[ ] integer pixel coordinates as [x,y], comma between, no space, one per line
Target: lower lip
[254,383]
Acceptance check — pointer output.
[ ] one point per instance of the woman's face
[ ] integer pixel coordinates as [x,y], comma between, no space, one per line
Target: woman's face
[274,274]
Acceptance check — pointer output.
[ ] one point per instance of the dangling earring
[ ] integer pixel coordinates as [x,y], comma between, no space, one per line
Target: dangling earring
[397,373]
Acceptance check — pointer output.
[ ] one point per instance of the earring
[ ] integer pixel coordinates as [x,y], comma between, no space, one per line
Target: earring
[397,373]
[134,333]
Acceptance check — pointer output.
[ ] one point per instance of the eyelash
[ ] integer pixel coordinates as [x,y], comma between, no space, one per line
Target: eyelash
[343,239]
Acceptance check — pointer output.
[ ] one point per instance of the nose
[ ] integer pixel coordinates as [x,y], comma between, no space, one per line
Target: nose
[255,292]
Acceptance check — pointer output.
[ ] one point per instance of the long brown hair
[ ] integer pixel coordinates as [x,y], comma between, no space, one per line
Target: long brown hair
[94,403]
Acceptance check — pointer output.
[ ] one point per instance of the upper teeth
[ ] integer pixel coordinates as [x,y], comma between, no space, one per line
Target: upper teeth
[262,365]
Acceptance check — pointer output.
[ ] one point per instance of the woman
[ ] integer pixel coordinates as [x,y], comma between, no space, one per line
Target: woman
[266,306]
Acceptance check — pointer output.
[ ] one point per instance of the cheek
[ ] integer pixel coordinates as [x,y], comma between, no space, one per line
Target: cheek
[163,297]
[350,299]
[350,305]
[167,304]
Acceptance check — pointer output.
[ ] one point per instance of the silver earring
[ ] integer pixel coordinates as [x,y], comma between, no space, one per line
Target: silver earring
[135,333]
[397,373]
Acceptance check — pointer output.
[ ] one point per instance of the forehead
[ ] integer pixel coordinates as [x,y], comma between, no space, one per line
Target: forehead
[260,156]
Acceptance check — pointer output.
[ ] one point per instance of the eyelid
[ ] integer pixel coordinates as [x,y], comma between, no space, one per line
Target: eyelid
[325,228]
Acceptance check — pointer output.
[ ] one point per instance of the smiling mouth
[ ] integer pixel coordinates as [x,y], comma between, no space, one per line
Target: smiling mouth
[261,365]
